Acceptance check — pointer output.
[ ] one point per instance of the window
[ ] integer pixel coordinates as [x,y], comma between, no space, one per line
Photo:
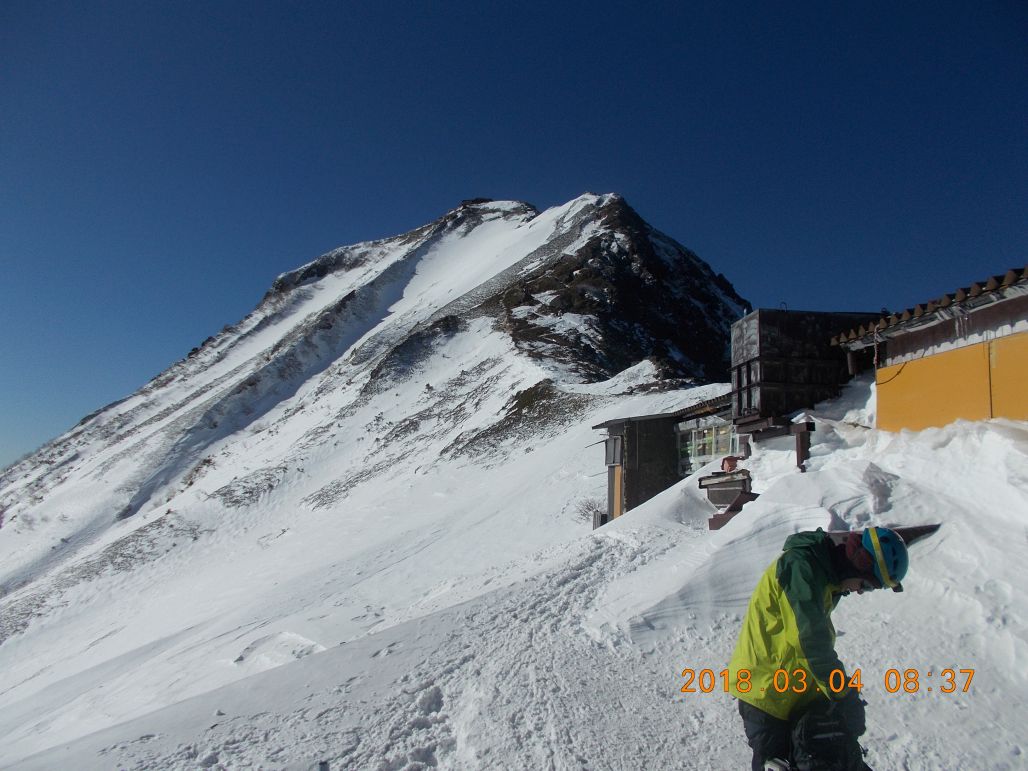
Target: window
[705,439]
[613,448]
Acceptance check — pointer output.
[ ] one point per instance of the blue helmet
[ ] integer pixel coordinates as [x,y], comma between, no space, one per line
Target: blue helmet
[889,558]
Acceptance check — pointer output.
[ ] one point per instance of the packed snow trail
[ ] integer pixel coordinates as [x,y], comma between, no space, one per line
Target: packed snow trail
[511,680]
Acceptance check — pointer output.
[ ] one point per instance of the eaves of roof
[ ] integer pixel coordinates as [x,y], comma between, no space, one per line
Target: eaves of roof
[1013,283]
[707,407]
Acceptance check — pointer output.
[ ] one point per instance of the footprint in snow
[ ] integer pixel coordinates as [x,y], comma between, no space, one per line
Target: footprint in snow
[385,651]
[277,649]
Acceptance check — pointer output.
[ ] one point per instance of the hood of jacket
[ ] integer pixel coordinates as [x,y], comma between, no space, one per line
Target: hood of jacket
[819,546]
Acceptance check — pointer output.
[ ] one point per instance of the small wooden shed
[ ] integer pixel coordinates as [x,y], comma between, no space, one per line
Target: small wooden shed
[646,454]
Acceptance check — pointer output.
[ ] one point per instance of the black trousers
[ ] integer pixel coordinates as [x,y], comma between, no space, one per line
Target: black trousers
[768,736]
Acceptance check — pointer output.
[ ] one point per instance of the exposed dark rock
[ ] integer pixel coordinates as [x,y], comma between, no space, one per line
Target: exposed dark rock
[647,296]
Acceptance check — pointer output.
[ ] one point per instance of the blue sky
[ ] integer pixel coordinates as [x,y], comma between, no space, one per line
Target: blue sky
[162,162]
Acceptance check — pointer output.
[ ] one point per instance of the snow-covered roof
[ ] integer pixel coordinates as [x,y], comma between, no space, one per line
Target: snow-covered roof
[705,407]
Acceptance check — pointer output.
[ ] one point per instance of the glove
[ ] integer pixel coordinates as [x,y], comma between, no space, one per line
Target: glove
[850,709]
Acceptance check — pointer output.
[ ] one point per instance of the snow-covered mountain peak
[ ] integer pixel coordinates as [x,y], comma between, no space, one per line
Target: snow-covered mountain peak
[382,394]
[354,530]
[493,298]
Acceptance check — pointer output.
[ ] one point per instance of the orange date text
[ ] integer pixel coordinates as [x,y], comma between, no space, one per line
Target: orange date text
[799,680]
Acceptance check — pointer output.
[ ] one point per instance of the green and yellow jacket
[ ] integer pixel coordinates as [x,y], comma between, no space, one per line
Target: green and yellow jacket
[788,627]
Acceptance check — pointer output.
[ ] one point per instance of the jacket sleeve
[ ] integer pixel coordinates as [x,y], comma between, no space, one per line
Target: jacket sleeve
[805,590]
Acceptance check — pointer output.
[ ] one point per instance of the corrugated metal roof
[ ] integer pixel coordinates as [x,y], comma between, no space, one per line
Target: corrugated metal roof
[1013,282]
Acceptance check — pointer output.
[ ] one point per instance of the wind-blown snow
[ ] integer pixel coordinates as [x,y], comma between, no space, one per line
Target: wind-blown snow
[488,627]
[357,532]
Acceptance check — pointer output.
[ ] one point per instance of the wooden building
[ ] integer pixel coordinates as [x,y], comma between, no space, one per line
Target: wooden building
[964,355]
[647,454]
[784,361]
[961,356]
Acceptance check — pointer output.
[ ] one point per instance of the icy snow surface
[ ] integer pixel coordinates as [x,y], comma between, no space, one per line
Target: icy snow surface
[351,538]
[490,628]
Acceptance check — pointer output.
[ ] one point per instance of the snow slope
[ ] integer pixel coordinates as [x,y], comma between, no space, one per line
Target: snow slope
[353,530]
[571,655]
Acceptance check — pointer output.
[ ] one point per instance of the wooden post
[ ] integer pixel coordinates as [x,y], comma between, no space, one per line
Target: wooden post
[802,432]
[851,363]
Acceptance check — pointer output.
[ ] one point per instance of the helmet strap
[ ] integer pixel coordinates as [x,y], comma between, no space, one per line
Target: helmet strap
[880,557]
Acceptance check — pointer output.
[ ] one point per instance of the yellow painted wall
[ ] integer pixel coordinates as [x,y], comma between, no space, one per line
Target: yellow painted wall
[1009,359]
[974,383]
[619,498]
